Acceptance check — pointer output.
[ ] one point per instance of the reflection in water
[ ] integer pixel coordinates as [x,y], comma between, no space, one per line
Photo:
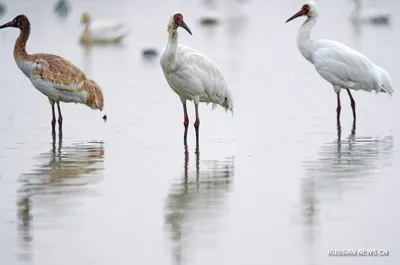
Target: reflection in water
[194,204]
[236,17]
[343,168]
[86,58]
[310,222]
[235,30]
[63,170]
[357,30]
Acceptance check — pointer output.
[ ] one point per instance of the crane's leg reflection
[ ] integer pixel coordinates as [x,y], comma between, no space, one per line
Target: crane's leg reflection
[339,128]
[186,165]
[60,139]
[353,128]
[197,168]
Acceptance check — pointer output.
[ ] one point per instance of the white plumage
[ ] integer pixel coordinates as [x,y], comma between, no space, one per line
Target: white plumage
[344,67]
[386,80]
[195,77]
[192,75]
[340,65]
[103,31]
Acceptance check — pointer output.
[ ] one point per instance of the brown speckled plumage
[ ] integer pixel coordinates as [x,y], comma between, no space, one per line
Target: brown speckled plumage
[54,76]
[65,76]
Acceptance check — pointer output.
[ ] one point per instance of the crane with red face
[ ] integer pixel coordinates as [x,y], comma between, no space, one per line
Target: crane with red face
[337,63]
[192,75]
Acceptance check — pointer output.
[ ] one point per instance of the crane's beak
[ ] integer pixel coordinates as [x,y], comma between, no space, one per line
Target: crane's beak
[183,25]
[298,14]
[9,24]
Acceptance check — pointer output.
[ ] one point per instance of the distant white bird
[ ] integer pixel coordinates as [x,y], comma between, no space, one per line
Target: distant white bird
[192,75]
[372,16]
[102,31]
[338,64]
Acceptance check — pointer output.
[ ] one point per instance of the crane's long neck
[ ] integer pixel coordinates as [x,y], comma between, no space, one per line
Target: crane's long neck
[172,41]
[304,41]
[85,38]
[20,44]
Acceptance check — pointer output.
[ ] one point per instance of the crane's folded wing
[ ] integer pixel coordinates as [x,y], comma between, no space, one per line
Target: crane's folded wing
[345,67]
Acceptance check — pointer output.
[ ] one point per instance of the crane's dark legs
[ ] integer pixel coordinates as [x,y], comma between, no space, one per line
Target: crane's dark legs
[196,125]
[53,120]
[60,118]
[353,104]
[185,122]
[339,107]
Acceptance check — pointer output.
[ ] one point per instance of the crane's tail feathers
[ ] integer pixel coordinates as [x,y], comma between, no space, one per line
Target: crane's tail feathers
[384,90]
[386,81]
[228,103]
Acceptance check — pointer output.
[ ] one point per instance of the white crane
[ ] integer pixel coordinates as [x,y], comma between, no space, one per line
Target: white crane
[192,75]
[338,64]
[372,16]
[103,31]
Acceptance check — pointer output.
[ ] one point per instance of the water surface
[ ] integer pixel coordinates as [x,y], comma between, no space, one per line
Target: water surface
[274,183]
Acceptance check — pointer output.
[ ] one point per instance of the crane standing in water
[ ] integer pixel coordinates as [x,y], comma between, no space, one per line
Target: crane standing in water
[192,75]
[338,64]
[53,76]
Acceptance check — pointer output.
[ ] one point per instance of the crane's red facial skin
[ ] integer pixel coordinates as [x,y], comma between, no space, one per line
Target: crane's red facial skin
[178,18]
[305,11]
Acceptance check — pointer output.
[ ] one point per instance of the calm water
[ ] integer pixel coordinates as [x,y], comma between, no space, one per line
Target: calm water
[272,184]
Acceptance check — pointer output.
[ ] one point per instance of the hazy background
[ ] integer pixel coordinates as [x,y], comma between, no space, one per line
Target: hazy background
[273,184]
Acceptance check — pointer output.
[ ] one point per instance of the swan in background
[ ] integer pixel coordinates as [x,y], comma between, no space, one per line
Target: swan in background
[103,31]
[370,16]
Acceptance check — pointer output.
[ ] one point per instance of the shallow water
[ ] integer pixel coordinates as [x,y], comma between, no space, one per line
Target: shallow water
[274,183]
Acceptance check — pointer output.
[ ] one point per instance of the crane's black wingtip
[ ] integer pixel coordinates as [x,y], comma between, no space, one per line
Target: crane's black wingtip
[105,117]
